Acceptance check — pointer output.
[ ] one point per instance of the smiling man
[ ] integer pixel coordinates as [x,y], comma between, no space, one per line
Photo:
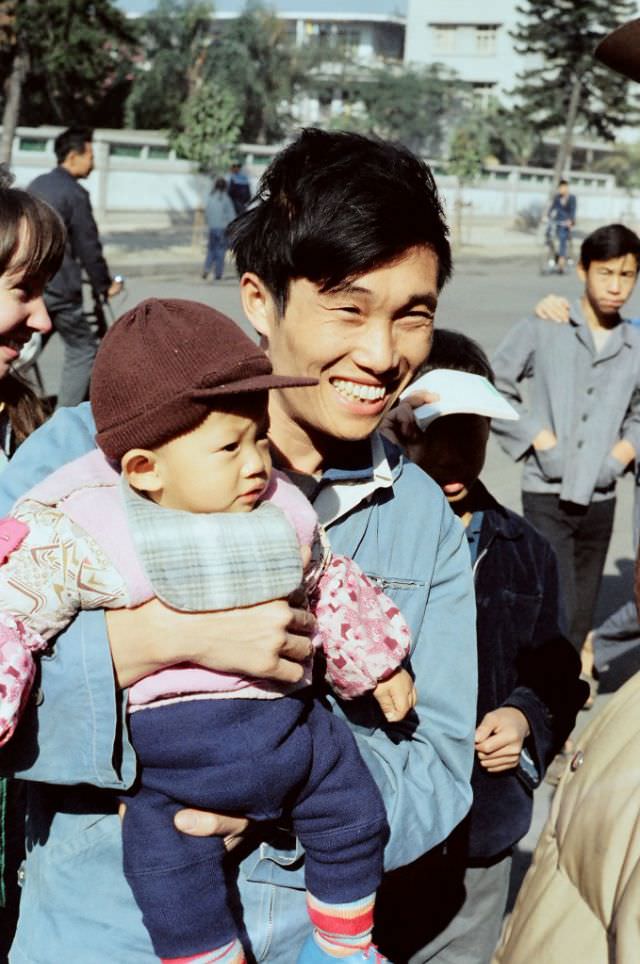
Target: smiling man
[341,261]
[581,427]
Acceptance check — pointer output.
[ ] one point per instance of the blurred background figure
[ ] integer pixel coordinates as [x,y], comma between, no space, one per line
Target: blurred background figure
[219,213]
[63,295]
[562,216]
[239,189]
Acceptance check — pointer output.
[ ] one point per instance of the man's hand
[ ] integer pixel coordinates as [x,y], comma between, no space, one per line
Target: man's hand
[553,308]
[396,695]
[199,823]
[545,439]
[500,737]
[115,288]
[399,424]
[270,640]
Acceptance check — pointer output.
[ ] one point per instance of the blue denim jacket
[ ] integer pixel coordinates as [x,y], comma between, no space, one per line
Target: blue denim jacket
[76,902]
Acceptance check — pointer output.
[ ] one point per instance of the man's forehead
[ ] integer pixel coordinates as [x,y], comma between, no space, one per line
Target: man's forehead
[626,262]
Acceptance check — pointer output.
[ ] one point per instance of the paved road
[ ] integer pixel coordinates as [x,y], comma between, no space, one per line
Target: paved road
[483,299]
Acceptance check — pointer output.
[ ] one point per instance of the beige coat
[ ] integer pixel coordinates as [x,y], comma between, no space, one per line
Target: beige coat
[580,901]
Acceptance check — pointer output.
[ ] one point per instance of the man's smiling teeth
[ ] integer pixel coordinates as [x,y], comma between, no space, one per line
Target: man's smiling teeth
[368,393]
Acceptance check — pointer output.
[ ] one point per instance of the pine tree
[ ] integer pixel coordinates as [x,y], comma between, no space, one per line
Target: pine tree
[571,88]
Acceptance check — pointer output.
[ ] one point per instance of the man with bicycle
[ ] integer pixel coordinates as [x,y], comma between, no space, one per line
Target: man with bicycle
[562,214]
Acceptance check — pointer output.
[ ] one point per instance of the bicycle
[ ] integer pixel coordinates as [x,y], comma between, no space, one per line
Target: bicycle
[548,260]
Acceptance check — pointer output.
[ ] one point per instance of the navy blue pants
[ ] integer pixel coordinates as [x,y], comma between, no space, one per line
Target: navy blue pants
[258,758]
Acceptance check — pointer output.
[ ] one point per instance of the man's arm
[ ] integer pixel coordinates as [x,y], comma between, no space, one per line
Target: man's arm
[513,363]
[549,691]
[85,242]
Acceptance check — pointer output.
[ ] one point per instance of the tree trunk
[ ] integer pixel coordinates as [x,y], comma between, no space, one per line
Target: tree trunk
[566,144]
[12,104]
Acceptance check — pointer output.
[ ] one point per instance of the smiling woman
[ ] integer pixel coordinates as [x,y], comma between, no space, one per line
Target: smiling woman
[32,240]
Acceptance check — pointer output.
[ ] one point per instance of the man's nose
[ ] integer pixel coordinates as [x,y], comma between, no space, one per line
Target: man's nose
[376,350]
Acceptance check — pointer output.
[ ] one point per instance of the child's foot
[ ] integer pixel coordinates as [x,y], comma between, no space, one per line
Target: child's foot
[312,953]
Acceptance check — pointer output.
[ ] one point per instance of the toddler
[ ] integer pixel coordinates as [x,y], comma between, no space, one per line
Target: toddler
[196,517]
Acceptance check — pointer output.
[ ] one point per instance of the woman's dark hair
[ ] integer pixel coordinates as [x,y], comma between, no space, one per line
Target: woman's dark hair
[46,234]
[41,259]
[334,205]
[452,349]
[611,241]
[220,184]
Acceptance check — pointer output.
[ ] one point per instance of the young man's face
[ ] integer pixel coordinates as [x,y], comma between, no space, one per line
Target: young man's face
[223,465]
[563,190]
[452,451]
[362,341]
[609,284]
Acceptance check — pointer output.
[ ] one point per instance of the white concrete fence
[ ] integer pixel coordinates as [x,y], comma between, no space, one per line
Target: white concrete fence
[137,172]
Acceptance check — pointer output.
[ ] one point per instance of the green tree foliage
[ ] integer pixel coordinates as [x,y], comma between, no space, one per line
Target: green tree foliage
[413,106]
[210,124]
[563,34]
[512,138]
[175,38]
[468,149]
[255,58]
[79,55]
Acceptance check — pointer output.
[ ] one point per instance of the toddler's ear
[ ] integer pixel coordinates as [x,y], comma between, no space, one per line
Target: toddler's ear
[141,469]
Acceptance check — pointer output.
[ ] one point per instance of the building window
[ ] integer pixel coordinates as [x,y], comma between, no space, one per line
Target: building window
[483,92]
[444,38]
[486,35]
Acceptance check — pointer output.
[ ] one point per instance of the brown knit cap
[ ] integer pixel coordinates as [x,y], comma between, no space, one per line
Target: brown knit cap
[161,364]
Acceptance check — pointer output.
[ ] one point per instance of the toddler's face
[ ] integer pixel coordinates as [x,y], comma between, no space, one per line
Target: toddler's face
[223,465]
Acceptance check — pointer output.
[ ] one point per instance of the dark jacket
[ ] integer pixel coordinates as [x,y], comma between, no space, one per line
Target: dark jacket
[83,248]
[524,661]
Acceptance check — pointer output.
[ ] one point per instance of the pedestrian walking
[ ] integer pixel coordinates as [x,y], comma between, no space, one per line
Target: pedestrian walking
[219,213]
[239,189]
[83,251]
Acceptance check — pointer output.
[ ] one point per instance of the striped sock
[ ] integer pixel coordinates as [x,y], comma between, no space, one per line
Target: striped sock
[231,953]
[341,929]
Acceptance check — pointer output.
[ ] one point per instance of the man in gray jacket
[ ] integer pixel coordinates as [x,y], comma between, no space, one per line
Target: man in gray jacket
[580,428]
[63,294]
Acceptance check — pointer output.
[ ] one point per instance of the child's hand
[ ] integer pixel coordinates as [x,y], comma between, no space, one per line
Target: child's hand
[396,695]
[499,738]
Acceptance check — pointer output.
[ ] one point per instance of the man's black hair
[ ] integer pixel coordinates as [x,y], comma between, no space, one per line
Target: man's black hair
[73,139]
[452,349]
[333,206]
[611,241]
[563,181]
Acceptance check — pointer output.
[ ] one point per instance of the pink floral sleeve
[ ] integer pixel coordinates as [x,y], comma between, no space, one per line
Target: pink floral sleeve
[363,634]
[17,670]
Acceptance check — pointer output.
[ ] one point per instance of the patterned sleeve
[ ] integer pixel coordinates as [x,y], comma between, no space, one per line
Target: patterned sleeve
[56,571]
[362,632]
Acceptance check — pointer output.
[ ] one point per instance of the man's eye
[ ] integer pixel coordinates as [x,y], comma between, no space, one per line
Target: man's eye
[231,447]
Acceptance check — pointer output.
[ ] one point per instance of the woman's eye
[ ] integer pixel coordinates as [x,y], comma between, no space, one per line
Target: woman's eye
[231,447]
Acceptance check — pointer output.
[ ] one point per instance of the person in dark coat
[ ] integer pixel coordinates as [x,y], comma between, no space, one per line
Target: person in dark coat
[529,687]
[63,294]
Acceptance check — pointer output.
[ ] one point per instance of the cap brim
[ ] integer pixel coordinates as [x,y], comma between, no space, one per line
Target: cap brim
[258,383]
[460,393]
[620,50]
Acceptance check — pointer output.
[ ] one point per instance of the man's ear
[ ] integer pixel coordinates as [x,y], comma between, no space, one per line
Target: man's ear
[258,304]
[141,469]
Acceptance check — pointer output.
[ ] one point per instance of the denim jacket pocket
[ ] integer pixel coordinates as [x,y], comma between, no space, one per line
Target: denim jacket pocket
[273,862]
[550,463]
